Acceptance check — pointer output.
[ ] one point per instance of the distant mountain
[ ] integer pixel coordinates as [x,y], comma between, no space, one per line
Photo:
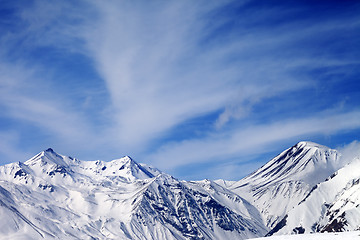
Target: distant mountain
[284,181]
[304,189]
[52,196]
[332,206]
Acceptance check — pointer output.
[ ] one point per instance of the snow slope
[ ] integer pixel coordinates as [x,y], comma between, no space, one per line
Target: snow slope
[305,189]
[333,205]
[353,235]
[284,181]
[52,196]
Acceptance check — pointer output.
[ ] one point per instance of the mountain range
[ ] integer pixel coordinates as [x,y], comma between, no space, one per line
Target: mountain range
[305,189]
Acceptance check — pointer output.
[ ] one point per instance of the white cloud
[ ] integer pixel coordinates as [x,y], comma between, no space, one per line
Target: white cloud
[42,114]
[158,76]
[163,64]
[256,139]
[9,148]
[349,152]
[25,96]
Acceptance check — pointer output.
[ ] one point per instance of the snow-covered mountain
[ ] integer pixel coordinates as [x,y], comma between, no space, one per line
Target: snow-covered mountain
[353,235]
[305,189]
[287,179]
[54,196]
[332,206]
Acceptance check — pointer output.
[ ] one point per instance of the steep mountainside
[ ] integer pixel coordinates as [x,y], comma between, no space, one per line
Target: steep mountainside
[332,206]
[54,196]
[305,189]
[287,179]
[353,235]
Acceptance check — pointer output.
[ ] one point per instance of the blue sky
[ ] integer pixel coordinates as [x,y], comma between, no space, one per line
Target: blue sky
[199,89]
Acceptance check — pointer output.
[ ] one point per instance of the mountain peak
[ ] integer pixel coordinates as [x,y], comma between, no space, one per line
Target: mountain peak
[309,144]
[287,179]
[48,156]
[289,194]
[128,158]
[49,150]
[307,161]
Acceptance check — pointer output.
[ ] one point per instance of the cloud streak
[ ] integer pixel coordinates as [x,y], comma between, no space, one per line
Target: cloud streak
[158,76]
[176,83]
[254,139]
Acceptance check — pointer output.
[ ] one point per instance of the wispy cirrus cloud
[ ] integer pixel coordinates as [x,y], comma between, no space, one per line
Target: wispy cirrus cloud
[158,76]
[26,99]
[178,80]
[9,141]
[252,139]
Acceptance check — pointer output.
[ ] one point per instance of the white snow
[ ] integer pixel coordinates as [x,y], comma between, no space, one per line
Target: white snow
[352,235]
[284,181]
[339,194]
[53,196]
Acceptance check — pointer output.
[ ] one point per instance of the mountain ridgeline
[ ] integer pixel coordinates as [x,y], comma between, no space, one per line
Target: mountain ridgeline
[305,189]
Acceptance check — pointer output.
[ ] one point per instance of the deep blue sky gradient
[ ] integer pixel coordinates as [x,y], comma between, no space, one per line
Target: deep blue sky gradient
[198,89]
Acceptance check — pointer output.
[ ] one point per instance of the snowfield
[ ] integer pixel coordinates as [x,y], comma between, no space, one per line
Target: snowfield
[353,235]
[287,179]
[52,196]
[308,189]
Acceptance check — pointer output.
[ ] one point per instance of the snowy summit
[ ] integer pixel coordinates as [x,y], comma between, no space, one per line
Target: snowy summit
[303,190]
